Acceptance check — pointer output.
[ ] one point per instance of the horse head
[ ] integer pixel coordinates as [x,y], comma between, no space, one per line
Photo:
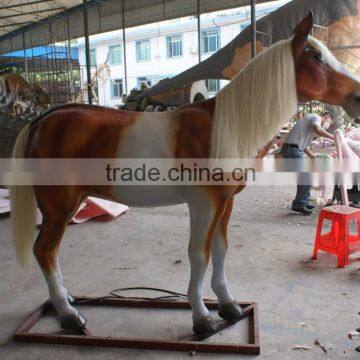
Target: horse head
[319,75]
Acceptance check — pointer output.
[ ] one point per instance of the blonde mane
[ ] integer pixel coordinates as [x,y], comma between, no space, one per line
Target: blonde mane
[253,106]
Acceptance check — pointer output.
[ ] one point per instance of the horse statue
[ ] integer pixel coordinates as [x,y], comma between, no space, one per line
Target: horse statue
[242,117]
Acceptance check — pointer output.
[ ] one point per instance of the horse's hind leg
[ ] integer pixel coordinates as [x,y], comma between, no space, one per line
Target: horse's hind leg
[56,217]
[204,217]
[228,307]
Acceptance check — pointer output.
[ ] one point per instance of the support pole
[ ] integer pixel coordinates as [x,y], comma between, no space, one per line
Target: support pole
[25,59]
[343,189]
[87,52]
[198,28]
[253,28]
[124,44]
[70,65]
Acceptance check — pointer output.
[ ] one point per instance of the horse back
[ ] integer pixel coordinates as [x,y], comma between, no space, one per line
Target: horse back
[78,131]
[85,131]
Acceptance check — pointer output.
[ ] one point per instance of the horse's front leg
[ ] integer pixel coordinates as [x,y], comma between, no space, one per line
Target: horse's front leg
[204,218]
[228,307]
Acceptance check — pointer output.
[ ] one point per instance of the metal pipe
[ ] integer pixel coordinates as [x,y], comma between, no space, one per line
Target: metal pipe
[198,28]
[343,189]
[32,63]
[124,44]
[53,70]
[87,52]
[71,82]
[31,12]
[22,4]
[163,9]
[253,28]
[11,49]
[189,343]
[2,26]
[25,58]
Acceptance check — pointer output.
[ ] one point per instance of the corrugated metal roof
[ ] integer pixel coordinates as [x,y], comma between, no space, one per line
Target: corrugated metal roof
[17,13]
[48,21]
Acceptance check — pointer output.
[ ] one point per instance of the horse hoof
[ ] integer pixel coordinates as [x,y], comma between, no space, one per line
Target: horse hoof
[204,325]
[73,322]
[230,311]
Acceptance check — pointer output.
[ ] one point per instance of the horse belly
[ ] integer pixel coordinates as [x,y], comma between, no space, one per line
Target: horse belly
[148,196]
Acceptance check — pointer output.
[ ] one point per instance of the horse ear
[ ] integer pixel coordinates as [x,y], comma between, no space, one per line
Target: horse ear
[303,29]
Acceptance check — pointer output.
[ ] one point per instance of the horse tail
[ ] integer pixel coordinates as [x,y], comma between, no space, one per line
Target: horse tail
[23,208]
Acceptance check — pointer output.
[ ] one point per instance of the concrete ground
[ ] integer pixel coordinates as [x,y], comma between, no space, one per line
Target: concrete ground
[300,301]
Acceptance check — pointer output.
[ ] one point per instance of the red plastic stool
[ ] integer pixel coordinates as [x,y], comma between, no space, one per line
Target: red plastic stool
[338,241]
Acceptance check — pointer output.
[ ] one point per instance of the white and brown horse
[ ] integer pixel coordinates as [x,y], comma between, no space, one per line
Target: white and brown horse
[241,119]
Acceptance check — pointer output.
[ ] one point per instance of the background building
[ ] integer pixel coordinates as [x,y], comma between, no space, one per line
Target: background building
[165,50]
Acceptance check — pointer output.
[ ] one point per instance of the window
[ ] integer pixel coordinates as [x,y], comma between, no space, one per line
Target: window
[116,88]
[143,50]
[174,46]
[143,80]
[213,85]
[115,57]
[92,57]
[210,41]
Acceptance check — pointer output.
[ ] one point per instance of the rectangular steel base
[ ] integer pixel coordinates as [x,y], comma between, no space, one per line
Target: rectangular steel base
[193,343]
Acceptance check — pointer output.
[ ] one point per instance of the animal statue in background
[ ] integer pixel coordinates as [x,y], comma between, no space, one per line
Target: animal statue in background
[102,73]
[241,118]
[19,94]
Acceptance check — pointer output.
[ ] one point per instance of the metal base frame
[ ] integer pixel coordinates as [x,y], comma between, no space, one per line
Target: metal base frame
[193,343]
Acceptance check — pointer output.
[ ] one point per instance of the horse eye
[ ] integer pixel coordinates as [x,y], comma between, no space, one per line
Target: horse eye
[318,57]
